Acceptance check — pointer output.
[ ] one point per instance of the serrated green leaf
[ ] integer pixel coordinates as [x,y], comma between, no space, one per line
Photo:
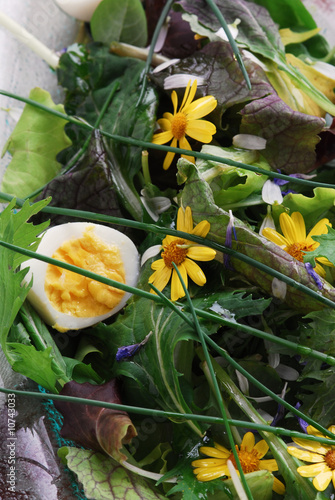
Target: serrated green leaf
[15,229]
[36,365]
[34,144]
[115,21]
[325,249]
[105,479]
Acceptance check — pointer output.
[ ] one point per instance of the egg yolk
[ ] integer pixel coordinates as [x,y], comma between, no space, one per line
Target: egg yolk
[71,293]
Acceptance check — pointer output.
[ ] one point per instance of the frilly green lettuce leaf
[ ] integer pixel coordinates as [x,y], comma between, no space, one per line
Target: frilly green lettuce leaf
[34,144]
[312,208]
[232,186]
[105,479]
[325,249]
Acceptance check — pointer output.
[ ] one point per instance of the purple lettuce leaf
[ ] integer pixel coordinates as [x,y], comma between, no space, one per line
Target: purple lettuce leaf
[291,136]
[94,427]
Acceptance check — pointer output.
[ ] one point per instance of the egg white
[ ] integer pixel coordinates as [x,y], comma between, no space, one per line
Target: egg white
[52,239]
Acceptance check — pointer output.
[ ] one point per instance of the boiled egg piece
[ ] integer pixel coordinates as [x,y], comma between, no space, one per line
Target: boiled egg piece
[67,300]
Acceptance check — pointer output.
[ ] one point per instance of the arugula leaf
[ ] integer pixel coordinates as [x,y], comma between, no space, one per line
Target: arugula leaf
[15,229]
[36,140]
[104,479]
[115,21]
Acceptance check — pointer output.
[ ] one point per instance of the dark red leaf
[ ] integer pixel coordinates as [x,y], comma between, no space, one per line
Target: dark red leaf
[95,427]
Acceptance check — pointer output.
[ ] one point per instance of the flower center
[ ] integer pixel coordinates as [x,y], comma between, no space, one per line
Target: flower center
[297,250]
[175,252]
[249,460]
[330,459]
[179,125]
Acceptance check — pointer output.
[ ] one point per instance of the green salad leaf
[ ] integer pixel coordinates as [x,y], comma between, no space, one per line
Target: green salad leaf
[15,229]
[115,21]
[34,144]
[105,479]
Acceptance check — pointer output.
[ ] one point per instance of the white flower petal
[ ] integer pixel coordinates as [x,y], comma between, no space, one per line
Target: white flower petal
[267,221]
[181,81]
[243,382]
[286,372]
[279,289]
[150,252]
[165,65]
[249,141]
[271,193]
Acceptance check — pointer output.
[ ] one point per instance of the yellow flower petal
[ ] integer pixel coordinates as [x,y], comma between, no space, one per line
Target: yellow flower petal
[185,220]
[195,272]
[319,228]
[203,254]
[299,226]
[275,237]
[184,144]
[188,96]
[204,475]
[312,470]
[174,99]
[201,107]
[160,278]
[214,452]
[201,131]
[288,227]
[164,124]
[209,462]
[270,465]
[305,455]
[202,229]
[223,449]
[278,487]
[313,446]
[162,137]
[248,441]
[158,264]
[177,290]
[321,481]
[262,448]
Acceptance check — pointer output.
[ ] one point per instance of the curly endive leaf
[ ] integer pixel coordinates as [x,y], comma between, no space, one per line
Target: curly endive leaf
[104,479]
[36,140]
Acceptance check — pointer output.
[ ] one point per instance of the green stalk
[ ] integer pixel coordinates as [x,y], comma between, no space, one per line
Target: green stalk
[232,42]
[150,145]
[217,392]
[168,414]
[154,39]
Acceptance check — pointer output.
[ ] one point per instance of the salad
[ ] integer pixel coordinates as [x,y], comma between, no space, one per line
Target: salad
[167,255]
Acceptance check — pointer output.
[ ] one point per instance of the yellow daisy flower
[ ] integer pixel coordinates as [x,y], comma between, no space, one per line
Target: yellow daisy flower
[321,456]
[186,121]
[182,253]
[294,240]
[249,454]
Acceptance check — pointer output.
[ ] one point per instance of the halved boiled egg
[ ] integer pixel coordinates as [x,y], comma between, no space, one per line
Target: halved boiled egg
[67,300]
